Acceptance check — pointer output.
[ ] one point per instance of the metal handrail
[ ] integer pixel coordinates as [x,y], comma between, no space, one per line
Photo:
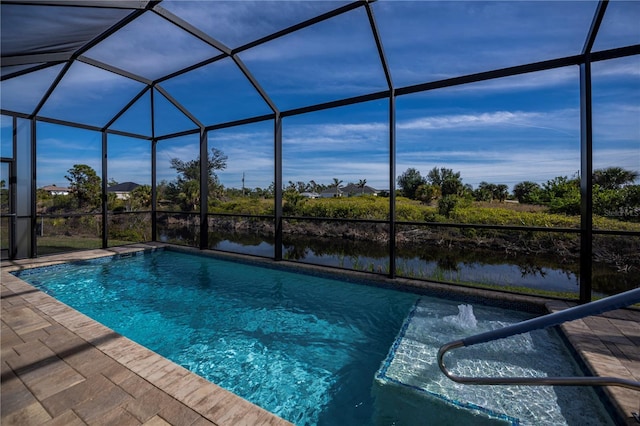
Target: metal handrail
[577,312]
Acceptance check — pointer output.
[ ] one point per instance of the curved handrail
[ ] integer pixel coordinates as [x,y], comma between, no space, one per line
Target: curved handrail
[593,308]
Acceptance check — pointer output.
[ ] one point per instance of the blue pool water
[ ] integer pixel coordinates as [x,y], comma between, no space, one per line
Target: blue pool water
[304,347]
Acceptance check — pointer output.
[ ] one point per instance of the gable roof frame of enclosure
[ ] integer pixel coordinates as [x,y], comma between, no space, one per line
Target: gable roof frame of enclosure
[23,57]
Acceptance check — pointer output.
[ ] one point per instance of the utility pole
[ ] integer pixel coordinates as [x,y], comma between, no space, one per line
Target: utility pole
[243,184]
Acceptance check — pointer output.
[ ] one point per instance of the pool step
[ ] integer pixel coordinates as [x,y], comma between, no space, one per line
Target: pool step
[400,386]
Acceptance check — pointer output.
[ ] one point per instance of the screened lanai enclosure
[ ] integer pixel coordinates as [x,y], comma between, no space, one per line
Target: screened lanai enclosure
[485,144]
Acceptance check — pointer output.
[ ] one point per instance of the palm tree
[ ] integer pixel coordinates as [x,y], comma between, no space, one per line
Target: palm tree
[527,192]
[614,177]
[336,183]
[140,197]
[361,185]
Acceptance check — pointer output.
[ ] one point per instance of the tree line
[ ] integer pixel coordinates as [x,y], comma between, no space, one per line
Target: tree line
[614,190]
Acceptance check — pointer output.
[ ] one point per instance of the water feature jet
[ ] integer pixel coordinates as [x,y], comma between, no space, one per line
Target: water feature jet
[465,318]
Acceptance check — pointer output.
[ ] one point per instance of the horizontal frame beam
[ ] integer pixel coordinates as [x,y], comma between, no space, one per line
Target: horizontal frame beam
[96,4]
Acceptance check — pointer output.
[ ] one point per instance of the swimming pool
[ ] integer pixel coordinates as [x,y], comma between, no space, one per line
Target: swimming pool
[305,347]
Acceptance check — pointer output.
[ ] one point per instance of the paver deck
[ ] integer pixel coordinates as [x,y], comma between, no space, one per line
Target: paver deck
[60,367]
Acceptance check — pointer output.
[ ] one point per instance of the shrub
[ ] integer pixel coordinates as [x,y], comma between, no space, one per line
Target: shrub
[426,193]
[446,205]
[243,205]
[569,204]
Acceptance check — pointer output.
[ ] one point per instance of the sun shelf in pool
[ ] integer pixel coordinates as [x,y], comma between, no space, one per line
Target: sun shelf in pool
[411,368]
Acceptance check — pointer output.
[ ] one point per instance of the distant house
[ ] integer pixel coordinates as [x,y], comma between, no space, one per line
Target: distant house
[353,190]
[331,192]
[56,190]
[122,190]
[350,190]
[310,194]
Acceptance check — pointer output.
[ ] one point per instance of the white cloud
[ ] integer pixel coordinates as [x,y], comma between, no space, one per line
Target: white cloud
[57,147]
[240,160]
[6,122]
[330,60]
[249,151]
[565,122]
[136,170]
[464,121]
[616,122]
[22,94]
[52,171]
[129,160]
[84,76]
[537,80]
[151,47]
[434,36]
[234,137]
[314,139]
[185,152]
[89,95]
[627,158]
[620,25]
[238,22]
[353,128]
[618,68]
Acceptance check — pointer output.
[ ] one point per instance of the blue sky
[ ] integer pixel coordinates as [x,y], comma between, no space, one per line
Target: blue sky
[502,131]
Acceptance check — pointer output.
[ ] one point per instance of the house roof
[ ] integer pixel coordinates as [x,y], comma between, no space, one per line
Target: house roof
[332,190]
[355,189]
[123,187]
[55,188]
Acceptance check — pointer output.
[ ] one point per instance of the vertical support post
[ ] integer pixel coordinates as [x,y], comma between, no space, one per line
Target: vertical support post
[277,190]
[586,181]
[392,140]
[154,199]
[392,184]
[154,189]
[204,190]
[105,177]
[33,201]
[25,188]
[13,180]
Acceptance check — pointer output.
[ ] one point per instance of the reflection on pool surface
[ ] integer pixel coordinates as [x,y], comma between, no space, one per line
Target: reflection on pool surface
[304,347]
